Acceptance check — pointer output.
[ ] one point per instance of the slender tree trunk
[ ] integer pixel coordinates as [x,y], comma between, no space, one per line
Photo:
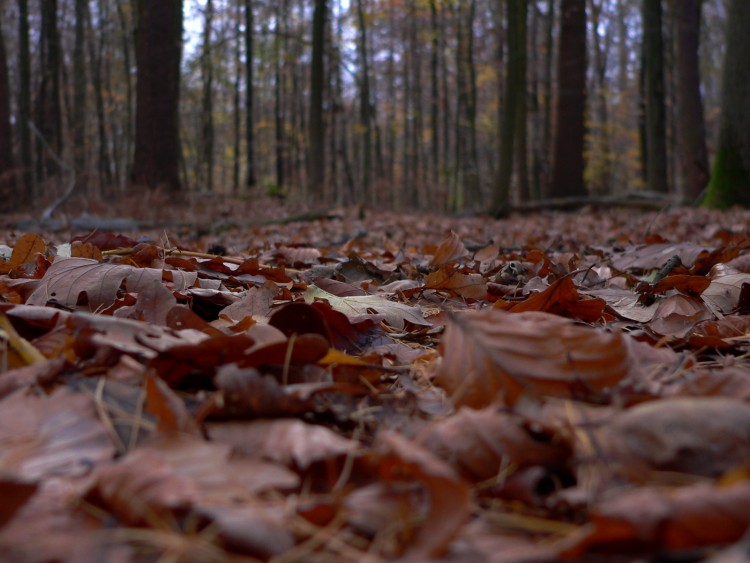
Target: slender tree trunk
[95,57]
[125,33]
[515,90]
[79,95]
[317,139]
[49,116]
[417,198]
[601,140]
[24,104]
[434,92]
[236,107]
[567,171]
[654,97]
[730,180]
[466,116]
[691,125]
[157,142]
[548,97]
[207,107]
[7,162]
[365,102]
[251,179]
[279,122]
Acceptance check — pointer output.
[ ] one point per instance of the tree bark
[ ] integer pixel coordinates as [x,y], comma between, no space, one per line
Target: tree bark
[49,113]
[7,162]
[126,35]
[654,98]
[466,131]
[79,94]
[207,107]
[251,179]
[157,144]
[693,155]
[365,103]
[434,89]
[316,143]
[28,189]
[95,57]
[515,90]
[568,163]
[730,180]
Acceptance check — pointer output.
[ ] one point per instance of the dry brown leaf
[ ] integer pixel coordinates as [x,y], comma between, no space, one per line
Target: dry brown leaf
[399,460]
[56,435]
[698,436]
[290,442]
[67,279]
[469,286]
[677,314]
[450,249]
[562,298]
[24,252]
[493,356]
[645,519]
[484,443]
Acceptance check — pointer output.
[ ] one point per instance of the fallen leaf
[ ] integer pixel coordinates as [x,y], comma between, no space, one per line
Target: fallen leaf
[469,286]
[358,308]
[450,249]
[484,443]
[493,356]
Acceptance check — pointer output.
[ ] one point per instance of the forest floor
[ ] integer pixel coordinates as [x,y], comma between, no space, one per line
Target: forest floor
[221,385]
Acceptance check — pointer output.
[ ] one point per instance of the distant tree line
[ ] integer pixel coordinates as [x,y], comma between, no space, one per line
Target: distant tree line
[410,104]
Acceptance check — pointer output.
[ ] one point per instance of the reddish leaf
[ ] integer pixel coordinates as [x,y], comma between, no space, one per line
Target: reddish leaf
[483,443]
[450,249]
[300,318]
[448,507]
[24,252]
[14,492]
[665,519]
[493,356]
[562,298]
[469,286]
[701,436]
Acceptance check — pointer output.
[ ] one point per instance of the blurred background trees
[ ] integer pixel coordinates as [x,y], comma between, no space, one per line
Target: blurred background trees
[408,104]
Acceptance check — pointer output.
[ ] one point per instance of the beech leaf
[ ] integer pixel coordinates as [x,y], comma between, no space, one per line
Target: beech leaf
[492,355]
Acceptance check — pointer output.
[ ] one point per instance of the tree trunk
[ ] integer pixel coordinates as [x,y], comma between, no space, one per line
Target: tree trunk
[467,106]
[95,57]
[207,107]
[316,143]
[691,125]
[251,179]
[654,98]
[126,34]
[365,103]
[157,143]
[24,105]
[599,144]
[79,94]
[434,89]
[515,90]
[7,162]
[568,164]
[49,118]
[730,179]
[278,100]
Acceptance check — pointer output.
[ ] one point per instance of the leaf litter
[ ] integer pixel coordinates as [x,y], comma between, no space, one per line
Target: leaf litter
[541,388]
